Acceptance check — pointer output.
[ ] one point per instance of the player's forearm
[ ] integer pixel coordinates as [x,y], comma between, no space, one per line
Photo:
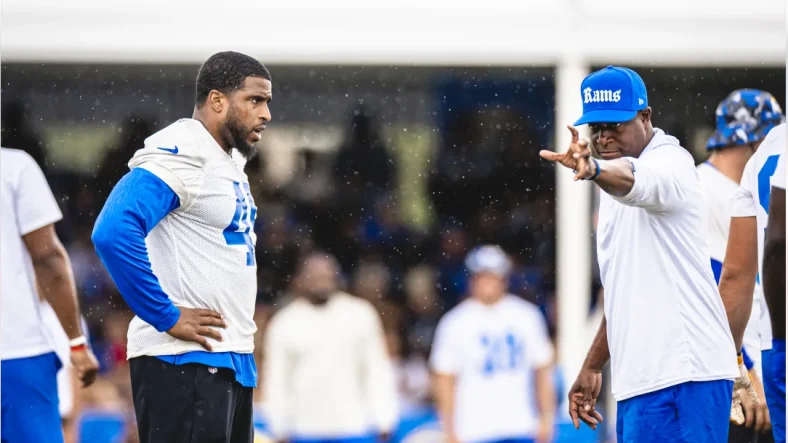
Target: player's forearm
[736,290]
[444,399]
[56,283]
[615,177]
[774,252]
[131,271]
[545,394]
[774,270]
[599,354]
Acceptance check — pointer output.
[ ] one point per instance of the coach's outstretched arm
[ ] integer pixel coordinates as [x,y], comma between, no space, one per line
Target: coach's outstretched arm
[586,388]
[657,180]
[137,203]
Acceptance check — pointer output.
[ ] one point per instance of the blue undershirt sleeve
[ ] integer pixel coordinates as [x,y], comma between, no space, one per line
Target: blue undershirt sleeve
[137,203]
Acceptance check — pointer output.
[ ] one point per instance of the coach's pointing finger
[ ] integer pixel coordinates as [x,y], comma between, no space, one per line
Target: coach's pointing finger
[550,155]
[575,134]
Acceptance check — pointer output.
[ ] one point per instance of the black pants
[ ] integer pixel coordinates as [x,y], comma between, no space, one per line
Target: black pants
[740,434]
[189,403]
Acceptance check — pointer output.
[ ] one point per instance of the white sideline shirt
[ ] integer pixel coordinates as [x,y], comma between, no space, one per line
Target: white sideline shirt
[493,351]
[327,371]
[666,323]
[27,205]
[720,192]
[752,199]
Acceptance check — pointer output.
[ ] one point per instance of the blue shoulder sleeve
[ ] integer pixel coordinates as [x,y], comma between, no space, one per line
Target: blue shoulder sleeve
[137,203]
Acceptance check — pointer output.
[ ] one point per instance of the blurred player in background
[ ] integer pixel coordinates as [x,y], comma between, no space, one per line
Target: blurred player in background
[492,360]
[774,292]
[744,256]
[743,120]
[176,236]
[34,264]
[328,376]
[665,331]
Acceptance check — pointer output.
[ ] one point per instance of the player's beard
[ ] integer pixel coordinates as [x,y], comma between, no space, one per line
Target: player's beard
[236,135]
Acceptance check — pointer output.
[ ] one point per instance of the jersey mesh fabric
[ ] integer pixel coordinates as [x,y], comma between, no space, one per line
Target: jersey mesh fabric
[203,252]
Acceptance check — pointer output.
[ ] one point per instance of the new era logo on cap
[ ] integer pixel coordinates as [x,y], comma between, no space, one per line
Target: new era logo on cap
[612,95]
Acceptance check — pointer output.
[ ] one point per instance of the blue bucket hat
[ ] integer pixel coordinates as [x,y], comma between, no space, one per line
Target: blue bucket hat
[612,95]
[745,116]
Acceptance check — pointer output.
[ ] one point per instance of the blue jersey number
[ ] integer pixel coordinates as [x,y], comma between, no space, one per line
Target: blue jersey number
[237,232]
[764,185]
[502,353]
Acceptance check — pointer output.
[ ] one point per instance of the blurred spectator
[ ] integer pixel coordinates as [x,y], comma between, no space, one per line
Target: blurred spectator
[18,133]
[132,134]
[364,168]
[372,282]
[451,268]
[412,376]
[424,308]
[324,349]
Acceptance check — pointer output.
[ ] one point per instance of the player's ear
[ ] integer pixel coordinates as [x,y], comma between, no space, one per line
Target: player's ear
[645,115]
[216,100]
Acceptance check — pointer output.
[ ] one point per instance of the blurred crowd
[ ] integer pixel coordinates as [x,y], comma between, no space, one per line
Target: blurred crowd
[479,193]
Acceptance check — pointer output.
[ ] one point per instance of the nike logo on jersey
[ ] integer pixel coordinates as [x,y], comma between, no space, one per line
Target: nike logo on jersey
[173,150]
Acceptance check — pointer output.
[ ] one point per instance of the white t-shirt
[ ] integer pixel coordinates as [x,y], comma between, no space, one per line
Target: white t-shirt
[493,350]
[719,192]
[666,323]
[27,205]
[752,199]
[203,252]
[327,371]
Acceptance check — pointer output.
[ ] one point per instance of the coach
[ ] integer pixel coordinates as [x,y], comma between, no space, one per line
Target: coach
[665,330]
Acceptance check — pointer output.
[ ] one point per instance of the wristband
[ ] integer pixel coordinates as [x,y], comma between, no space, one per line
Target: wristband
[598,169]
[78,343]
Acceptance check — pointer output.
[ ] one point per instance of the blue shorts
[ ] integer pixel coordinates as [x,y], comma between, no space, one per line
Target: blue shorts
[774,386]
[349,439]
[513,440]
[688,412]
[28,399]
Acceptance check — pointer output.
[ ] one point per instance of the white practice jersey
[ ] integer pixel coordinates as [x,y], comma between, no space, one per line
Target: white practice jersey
[720,192]
[27,205]
[666,323]
[203,252]
[327,371]
[493,350]
[752,199]
[778,179]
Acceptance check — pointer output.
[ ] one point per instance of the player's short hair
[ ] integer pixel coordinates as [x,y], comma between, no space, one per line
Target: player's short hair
[226,72]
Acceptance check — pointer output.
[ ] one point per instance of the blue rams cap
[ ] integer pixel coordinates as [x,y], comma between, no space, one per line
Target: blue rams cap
[488,258]
[745,116]
[612,95]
